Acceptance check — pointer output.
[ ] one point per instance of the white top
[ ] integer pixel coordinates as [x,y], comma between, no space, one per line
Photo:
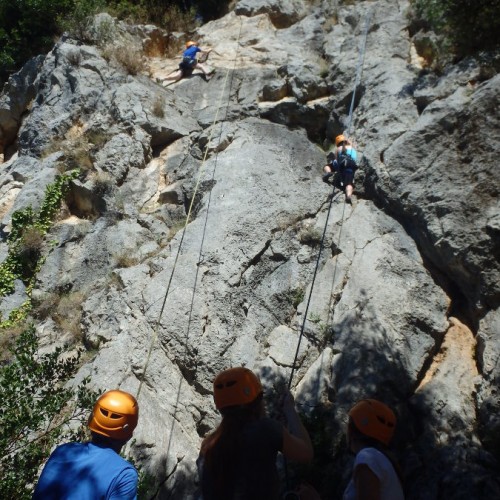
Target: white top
[380,465]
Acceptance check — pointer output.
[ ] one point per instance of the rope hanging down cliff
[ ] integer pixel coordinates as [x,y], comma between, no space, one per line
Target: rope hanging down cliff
[188,217]
[356,83]
[359,70]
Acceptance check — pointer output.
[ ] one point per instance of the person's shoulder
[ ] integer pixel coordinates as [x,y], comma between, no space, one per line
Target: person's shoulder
[369,455]
[66,448]
[113,459]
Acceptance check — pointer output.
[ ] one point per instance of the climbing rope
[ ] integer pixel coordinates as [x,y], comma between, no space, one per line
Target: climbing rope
[154,336]
[356,83]
[359,69]
[302,329]
[200,254]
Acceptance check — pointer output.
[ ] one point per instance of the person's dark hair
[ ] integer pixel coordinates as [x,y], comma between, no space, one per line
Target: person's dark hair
[100,440]
[369,442]
[222,448]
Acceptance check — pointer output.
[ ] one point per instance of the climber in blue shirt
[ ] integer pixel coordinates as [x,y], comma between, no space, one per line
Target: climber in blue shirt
[95,470]
[190,62]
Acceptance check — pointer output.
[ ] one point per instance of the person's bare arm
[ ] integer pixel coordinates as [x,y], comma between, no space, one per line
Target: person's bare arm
[296,441]
[367,484]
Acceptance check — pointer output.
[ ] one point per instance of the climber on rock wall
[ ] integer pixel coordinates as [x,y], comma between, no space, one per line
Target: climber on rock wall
[343,162]
[190,62]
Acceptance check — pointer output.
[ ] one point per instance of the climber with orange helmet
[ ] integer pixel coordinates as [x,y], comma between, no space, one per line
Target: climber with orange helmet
[95,469]
[343,161]
[375,473]
[238,459]
[190,62]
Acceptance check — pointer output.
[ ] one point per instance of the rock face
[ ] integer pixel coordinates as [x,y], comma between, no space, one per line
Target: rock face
[195,226]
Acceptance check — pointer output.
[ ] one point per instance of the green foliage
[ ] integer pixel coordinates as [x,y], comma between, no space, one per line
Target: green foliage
[78,22]
[29,27]
[470,26]
[295,296]
[146,481]
[23,259]
[37,411]
[328,443]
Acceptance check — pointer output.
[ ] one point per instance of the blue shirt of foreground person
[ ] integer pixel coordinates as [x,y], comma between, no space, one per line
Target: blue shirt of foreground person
[95,470]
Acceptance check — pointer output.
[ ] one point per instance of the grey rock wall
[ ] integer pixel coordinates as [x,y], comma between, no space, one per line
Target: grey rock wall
[405,300]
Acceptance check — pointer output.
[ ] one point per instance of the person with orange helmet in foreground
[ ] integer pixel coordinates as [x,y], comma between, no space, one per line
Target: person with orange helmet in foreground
[238,459]
[95,469]
[190,62]
[375,472]
[343,161]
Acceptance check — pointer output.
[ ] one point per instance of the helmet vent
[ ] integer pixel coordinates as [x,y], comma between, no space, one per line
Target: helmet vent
[230,383]
[383,421]
[109,414]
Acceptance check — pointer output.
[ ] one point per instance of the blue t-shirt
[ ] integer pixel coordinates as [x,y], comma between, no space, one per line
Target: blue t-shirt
[350,151]
[86,471]
[191,52]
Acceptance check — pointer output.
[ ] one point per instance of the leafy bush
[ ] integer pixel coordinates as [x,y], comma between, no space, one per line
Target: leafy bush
[37,411]
[469,25]
[28,28]
[27,230]
[78,21]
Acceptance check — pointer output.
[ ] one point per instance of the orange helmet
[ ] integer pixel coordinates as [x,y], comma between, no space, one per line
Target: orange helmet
[115,415]
[236,386]
[374,419]
[190,44]
[340,138]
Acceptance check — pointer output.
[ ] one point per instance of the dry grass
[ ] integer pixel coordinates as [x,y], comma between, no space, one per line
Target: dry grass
[8,337]
[324,67]
[74,57]
[309,236]
[174,48]
[31,241]
[78,150]
[125,260]
[102,183]
[45,305]
[131,60]
[158,107]
[330,23]
[76,154]
[68,313]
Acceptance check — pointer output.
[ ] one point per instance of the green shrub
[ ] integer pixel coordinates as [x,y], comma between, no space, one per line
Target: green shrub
[469,25]
[28,28]
[37,411]
[28,229]
[79,18]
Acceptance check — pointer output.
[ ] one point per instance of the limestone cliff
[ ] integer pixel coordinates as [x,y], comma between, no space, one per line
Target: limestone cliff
[405,304]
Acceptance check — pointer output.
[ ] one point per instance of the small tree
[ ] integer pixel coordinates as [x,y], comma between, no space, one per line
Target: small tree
[37,411]
[469,25]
